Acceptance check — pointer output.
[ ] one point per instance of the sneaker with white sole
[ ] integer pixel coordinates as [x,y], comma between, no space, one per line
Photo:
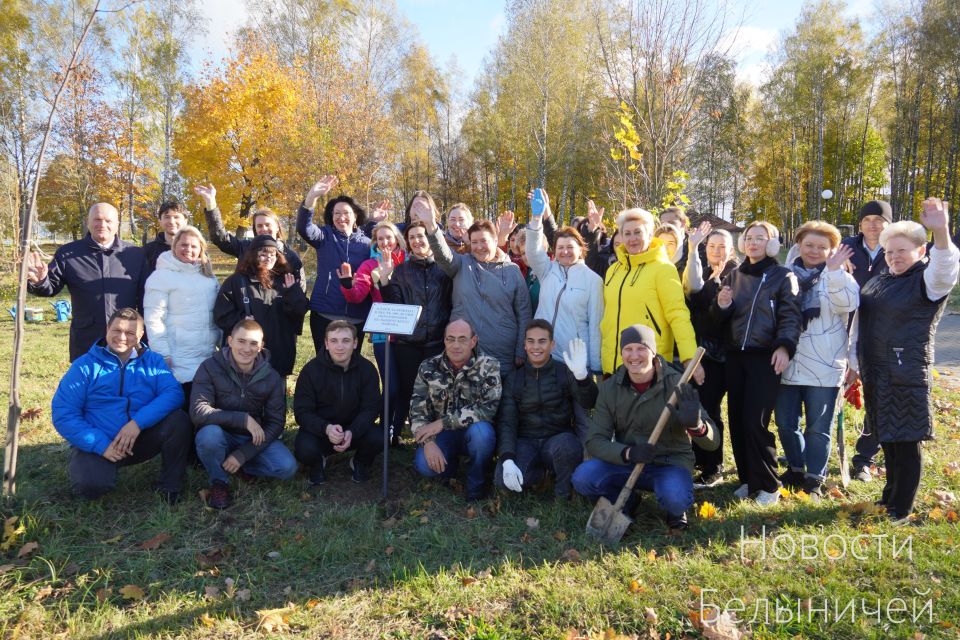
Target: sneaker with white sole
[766,498]
[707,480]
[742,492]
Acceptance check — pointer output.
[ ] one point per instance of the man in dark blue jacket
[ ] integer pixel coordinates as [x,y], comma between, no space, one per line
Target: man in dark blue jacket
[102,272]
[120,405]
[868,262]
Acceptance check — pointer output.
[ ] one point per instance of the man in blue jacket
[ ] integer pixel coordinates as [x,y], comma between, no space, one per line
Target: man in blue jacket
[120,405]
[102,272]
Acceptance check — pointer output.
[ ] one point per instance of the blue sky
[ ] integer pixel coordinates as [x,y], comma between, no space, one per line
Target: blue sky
[468,29]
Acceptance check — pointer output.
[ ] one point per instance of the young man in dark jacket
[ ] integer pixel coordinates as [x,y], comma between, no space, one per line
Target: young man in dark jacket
[868,262]
[119,405]
[102,272]
[535,425]
[628,406]
[238,405]
[173,217]
[336,404]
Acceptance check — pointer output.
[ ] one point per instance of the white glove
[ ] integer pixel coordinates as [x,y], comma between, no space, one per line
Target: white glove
[512,478]
[576,358]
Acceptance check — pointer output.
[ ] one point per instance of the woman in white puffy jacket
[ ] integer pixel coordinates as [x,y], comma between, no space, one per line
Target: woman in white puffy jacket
[812,379]
[178,306]
[571,294]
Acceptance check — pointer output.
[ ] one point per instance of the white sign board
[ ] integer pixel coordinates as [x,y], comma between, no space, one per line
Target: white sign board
[395,319]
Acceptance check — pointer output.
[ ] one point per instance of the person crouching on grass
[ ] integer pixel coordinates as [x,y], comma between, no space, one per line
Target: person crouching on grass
[898,317]
[628,406]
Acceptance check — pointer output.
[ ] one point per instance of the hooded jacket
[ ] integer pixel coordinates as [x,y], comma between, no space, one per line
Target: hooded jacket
[623,417]
[645,288]
[492,296]
[223,396]
[419,281]
[100,282]
[329,394]
[279,310]
[333,248]
[98,395]
[571,299]
[178,314]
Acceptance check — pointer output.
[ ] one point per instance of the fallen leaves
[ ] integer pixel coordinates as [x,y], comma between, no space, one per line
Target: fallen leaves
[533,523]
[132,592]
[275,620]
[471,512]
[715,625]
[31,414]
[560,536]
[27,549]
[11,531]
[211,558]
[155,542]
[635,587]
[211,592]
[114,540]
[945,499]
[571,555]
[707,511]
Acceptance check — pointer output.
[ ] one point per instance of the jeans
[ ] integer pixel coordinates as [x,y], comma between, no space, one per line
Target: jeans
[379,353]
[671,484]
[560,453]
[92,475]
[214,445]
[868,446]
[477,441]
[310,448]
[806,450]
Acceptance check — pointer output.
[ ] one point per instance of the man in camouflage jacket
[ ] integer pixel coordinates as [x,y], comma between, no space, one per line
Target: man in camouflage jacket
[455,396]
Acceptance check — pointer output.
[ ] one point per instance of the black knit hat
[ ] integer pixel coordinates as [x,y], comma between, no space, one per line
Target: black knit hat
[639,333]
[876,208]
[262,242]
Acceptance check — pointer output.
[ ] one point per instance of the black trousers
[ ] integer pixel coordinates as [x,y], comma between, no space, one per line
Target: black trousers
[310,449]
[752,392]
[92,475]
[711,393]
[318,327]
[868,446]
[408,359]
[904,468]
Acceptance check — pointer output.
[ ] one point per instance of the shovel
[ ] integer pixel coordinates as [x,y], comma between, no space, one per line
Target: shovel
[841,445]
[608,522]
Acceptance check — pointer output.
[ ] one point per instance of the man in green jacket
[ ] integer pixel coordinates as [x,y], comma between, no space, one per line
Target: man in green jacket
[628,407]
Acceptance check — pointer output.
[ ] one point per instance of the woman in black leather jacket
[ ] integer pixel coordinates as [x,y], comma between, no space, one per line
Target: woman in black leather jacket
[418,281]
[759,306]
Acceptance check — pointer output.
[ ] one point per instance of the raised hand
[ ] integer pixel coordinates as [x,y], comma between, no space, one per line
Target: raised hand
[935,215]
[725,297]
[505,225]
[382,212]
[289,280]
[576,358]
[345,273]
[700,233]
[420,211]
[385,260]
[594,216]
[37,269]
[546,202]
[319,189]
[839,257]
[208,194]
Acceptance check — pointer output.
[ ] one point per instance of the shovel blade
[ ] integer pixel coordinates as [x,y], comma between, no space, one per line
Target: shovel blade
[606,523]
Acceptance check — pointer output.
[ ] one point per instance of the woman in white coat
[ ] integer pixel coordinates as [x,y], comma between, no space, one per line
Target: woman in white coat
[812,379]
[178,306]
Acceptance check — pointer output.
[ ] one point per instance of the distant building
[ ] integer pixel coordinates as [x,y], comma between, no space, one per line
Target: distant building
[716,222]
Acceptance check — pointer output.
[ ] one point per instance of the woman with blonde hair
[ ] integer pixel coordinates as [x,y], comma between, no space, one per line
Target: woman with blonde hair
[178,304]
[642,287]
[812,379]
[898,317]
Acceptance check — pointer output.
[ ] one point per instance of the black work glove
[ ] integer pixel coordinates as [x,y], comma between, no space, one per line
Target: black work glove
[642,453]
[687,411]
[347,282]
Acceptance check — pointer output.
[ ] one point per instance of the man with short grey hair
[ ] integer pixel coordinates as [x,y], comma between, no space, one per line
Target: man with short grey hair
[102,272]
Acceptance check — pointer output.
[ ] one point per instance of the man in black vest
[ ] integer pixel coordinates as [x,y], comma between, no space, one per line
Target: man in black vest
[102,272]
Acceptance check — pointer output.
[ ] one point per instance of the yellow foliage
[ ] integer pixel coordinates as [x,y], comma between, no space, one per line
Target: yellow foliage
[707,511]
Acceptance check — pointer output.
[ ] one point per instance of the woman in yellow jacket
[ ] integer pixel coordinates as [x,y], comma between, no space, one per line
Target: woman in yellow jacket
[643,287]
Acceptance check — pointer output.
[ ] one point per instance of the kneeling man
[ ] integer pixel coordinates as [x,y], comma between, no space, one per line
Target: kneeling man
[628,406]
[119,405]
[455,396]
[238,404]
[337,404]
[536,424]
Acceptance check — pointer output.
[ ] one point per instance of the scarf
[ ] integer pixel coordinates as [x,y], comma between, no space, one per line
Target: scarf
[756,268]
[809,297]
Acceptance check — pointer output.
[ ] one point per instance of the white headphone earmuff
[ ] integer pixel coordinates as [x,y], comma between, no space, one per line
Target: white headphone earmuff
[772,248]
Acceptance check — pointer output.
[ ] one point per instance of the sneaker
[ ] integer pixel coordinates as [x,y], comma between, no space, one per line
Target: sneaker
[358,471]
[742,492]
[862,474]
[900,522]
[219,497]
[812,486]
[318,473]
[678,523]
[706,480]
[766,498]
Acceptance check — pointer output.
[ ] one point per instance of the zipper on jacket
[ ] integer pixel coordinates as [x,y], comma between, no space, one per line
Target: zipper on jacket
[753,306]
[616,355]
[556,307]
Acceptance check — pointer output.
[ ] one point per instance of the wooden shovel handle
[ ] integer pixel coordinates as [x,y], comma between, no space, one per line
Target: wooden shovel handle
[658,429]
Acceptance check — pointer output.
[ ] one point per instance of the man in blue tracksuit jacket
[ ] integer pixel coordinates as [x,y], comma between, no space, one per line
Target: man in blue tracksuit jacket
[120,405]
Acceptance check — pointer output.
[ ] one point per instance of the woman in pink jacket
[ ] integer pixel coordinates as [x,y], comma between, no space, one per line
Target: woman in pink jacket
[388,251]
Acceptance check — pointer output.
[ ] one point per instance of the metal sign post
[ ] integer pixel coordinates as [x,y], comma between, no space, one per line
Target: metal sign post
[392,320]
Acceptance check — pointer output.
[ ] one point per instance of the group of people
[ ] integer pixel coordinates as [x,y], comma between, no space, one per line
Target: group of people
[540,350]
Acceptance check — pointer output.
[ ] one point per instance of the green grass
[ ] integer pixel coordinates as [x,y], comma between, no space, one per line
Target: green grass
[424,566]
